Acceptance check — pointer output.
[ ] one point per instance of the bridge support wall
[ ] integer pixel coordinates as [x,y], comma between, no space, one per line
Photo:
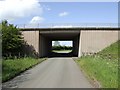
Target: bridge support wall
[93,41]
[45,46]
[32,42]
[76,45]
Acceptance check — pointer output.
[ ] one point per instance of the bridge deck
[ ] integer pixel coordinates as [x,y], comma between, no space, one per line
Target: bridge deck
[87,28]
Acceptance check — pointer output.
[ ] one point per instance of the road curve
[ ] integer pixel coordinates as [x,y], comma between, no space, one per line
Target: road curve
[52,73]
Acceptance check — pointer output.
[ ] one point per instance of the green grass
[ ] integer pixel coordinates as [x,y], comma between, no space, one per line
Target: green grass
[112,50]
[11,68]
[102,67]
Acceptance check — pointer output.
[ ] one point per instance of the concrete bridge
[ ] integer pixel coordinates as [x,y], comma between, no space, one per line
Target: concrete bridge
[85,40]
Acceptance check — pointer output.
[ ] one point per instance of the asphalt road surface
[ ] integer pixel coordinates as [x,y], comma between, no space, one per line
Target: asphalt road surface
[52,73]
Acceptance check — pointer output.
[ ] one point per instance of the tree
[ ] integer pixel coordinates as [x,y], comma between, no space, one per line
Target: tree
[56,43]
[12,40]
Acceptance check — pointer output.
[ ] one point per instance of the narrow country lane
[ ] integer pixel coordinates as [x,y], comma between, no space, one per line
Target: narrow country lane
[52,73]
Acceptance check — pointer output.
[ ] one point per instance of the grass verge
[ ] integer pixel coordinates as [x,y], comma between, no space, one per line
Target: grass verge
[12,68]
[102,67]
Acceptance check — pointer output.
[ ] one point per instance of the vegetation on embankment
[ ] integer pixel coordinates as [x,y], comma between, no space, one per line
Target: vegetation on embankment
[12,68]
[102,67]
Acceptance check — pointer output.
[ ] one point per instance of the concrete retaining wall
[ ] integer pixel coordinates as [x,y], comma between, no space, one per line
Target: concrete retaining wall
[95,40]
[32,39]
[45,46]
[76,45]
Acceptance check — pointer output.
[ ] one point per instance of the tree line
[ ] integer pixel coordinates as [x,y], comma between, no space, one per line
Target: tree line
[61,47]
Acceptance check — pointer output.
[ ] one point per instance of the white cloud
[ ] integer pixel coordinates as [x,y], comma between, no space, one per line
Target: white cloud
[36,20]
[12,9]
[63,14]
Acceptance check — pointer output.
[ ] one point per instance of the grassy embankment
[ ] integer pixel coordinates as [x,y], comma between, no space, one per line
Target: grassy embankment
[12,68]
[102,67]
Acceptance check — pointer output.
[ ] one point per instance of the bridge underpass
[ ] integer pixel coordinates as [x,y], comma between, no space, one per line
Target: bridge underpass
[46,38]
[85,40]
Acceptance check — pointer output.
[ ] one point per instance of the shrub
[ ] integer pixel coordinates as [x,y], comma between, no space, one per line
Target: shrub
[12,40]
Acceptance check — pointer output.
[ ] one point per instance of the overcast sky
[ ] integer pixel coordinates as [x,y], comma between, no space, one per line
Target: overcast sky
[21,12]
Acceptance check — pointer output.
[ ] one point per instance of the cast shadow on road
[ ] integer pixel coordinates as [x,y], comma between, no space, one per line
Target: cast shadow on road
[55,54]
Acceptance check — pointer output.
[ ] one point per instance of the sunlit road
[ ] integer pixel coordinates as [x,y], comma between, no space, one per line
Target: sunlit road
[52,73]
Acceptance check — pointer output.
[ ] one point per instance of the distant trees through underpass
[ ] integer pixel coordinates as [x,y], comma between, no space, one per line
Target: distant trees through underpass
[62,46]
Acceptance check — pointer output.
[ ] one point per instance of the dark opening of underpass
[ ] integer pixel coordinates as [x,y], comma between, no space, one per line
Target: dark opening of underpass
[46,38]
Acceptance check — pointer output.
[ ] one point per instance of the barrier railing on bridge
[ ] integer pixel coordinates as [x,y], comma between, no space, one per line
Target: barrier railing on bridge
[68,25]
